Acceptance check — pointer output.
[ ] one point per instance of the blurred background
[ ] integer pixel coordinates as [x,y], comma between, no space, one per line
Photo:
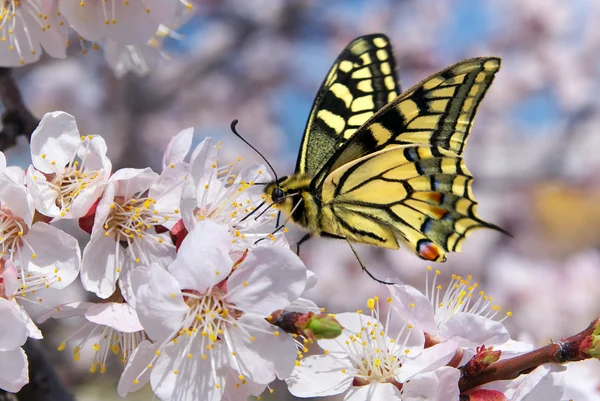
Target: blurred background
[534,149]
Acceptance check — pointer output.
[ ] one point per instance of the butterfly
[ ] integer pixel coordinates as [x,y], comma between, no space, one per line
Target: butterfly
[383,168]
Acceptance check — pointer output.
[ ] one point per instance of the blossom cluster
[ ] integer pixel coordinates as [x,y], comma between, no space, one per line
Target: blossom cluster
[131,32]
[192,278]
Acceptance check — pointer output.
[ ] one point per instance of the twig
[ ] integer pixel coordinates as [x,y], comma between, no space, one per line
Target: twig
[567,350]
[16,119]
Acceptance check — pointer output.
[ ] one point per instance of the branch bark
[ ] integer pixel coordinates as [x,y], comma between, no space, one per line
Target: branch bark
[16,119]
[566,350]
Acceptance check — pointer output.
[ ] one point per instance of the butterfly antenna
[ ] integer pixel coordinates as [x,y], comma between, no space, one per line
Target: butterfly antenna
[233,124]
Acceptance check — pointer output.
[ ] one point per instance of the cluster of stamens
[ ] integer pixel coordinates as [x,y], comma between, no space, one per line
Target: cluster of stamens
[374,356]
[9,18]
[458,297]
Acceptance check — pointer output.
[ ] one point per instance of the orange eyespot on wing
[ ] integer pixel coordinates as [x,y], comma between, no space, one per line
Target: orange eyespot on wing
[430,251]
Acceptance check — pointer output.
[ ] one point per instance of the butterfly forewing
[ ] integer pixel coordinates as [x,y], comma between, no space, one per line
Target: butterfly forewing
[438,112]
[361,81]
[420,195]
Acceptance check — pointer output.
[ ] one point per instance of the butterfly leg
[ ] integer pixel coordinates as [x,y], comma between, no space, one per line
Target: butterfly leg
[364,268]
[302,241]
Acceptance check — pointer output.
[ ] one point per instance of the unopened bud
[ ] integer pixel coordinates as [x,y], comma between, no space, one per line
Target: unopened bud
[485,395]
[484,358]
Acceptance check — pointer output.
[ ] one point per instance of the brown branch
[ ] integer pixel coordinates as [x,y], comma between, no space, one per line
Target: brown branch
[566,350]
[16,119]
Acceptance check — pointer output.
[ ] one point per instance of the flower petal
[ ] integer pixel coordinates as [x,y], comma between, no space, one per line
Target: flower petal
[428,360]
[14,370]
[178,148]
[411,304]
[319,376]
[471,331]
[159,303]
[374,391]
[54,142]
[15,197]
[10,316]
[203,257]
[71,309]
[56,253]
[99,270]
[438,385]
[264,356]
[270,278]
[119,316]
[194,380]
[137,368]
[132,181]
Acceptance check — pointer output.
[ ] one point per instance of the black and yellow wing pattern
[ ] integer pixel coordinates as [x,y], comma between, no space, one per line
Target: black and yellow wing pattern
[361,81]
[420,195]
[438,112]
[401,177]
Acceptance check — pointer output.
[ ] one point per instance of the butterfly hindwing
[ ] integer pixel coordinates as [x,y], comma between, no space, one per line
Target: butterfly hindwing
[419,195]
[361,81]
[438,112]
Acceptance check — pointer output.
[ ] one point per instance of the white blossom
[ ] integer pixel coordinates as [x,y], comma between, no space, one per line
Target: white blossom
[16,327]
[462,313]
[215,192]
[368,362]
[25,28]
[129,22]
[69,171]
[126,215]
[111,328]
[206,315]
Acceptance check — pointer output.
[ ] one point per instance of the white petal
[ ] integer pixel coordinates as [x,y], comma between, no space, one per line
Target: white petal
[235,391]
[167,192]
[54,140]
[136,364]
[56,252]
[203,257]
[267,355]
[99,267]
[131,181]
[32,330]
[374,391]
[159,303]
[14,370]
[178,148]
[10,276]
[15,173]
[540,384]
[420,313]
[103,208]
[448,383]
[119,316]
[268,279]
[154,248]
[430,359]
[303,305]
[438,385]
[319,376]
[15,197]
[66,310]
[44,196]
[194,380]
[13,332]
[203,158]
[2,162]
[472,331]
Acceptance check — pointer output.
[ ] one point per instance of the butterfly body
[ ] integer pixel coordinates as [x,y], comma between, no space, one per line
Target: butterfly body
[382,169]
